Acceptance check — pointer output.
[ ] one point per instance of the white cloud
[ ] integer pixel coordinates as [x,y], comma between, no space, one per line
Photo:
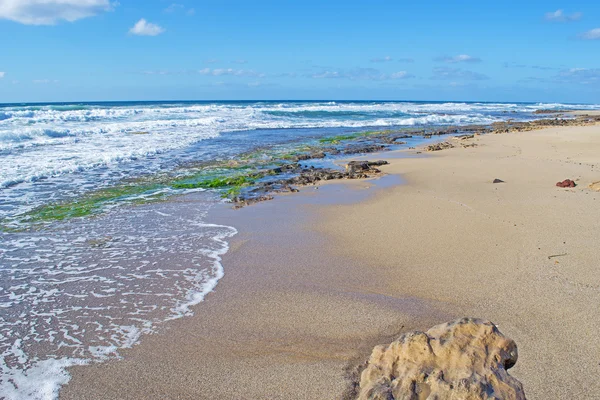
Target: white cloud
[230,71]
[370,74]
[286,75]
[145,28]
[584,76]
[49,12]
[594,34]
[381,59]
[208,72]
[156,73]
[2,74]
[560,16]
[458,59]
[327,75]
[44,81]
[540,67]
[400,75]
[457,74]
[174,7]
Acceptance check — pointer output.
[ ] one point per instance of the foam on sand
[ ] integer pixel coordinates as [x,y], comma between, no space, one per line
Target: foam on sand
[81,292]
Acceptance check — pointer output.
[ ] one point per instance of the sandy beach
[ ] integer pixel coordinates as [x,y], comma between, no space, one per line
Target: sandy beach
[314,280]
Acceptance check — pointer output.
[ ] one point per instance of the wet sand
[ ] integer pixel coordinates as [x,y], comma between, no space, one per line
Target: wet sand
[286,321]
[315,279]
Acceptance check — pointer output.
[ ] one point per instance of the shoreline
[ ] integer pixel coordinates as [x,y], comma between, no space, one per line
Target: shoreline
[306,347]
[262,172]
[269,296]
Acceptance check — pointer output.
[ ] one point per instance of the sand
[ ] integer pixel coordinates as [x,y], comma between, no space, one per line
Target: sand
[314,280]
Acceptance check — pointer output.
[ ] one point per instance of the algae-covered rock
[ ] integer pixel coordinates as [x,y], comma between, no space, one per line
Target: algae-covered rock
[465,359]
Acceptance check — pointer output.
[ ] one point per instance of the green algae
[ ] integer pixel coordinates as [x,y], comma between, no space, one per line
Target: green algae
[233,192]
[228,177]
[88,204]
[265,156]
[213,183]
[340,138]
[136,193]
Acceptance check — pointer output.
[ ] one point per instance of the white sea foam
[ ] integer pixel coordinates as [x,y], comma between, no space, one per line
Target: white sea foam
[41,381]
[45,141]
[82,291]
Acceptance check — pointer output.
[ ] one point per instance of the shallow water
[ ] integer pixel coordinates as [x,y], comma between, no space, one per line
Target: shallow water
[81,290]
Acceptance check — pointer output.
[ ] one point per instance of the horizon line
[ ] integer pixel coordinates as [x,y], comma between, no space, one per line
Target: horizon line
[3,104]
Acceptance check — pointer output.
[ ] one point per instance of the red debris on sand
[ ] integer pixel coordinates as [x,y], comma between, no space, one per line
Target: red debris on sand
[566,183]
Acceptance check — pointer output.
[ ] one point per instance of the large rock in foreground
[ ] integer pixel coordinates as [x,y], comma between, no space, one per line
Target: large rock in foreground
[466,359]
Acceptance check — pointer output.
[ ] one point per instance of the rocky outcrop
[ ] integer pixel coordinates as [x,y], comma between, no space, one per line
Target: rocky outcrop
[264,189]
[464,137]
[467,359]
[567,183]
[294,169]
[354,167]
[362,148]
[440,146]
[513,126]
[546,111]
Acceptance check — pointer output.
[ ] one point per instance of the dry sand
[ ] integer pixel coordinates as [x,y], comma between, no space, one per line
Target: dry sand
[314,280]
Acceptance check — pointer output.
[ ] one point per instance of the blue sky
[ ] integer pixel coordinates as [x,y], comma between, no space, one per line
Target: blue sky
[85,50]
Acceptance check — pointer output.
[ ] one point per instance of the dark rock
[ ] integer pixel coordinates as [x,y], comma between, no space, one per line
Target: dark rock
[545,111]
[303,157]
[567,183]
[306,176]
[363,148]
[498,181]
[354,167]
[440,146]
[239,203]
[464,137]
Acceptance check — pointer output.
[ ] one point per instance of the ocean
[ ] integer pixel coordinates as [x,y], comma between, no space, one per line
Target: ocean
[79,283]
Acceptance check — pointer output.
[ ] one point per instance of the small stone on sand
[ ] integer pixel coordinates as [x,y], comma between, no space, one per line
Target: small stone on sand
[595,186]
[567,183]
